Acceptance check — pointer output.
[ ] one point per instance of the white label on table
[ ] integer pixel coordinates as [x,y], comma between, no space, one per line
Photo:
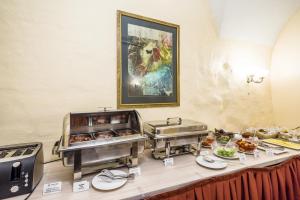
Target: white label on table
[135,170]
[242,158]
[256,153]
[270,152]
[204,153]
[81,186]
[169,162]
[51,188]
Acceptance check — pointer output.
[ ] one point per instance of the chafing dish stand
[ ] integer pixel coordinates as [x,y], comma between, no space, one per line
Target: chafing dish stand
[98,140]
[175,136]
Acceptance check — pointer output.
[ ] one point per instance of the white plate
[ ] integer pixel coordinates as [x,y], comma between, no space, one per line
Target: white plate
[275,151]
[234,157]
[99,184]
[218,164]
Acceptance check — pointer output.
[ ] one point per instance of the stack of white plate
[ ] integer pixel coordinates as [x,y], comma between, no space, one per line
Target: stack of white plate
[101,183]
[216,163]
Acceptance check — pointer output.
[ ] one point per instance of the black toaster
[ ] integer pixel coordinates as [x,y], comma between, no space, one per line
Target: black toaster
[21,168]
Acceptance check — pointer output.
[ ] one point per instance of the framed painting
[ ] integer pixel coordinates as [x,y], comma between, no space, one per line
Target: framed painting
[148,62]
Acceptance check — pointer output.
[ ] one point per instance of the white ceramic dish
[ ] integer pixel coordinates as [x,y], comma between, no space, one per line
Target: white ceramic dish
[100,184]
[275,151]
[217,164]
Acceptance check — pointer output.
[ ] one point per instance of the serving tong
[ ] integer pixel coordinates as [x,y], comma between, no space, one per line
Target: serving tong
[107,176]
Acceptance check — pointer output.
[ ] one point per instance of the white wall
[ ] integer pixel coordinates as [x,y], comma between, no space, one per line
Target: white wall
[255,21]
[58,56]
[285,75]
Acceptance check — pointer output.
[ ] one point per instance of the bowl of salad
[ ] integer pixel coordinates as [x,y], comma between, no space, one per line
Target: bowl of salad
[226,153]
[223,139]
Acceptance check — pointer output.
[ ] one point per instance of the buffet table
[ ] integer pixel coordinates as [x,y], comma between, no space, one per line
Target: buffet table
[155,178]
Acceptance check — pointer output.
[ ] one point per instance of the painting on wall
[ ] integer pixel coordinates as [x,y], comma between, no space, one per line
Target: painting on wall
[148,62]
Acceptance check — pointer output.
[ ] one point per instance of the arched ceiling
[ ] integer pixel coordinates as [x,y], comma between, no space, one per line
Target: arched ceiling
[257,21]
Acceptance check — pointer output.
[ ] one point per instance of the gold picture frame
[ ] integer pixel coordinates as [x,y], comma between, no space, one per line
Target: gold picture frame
[169,98]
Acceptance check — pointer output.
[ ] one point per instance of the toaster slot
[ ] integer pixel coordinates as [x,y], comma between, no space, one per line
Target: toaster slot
[3,154]
[28,151]
[18,152]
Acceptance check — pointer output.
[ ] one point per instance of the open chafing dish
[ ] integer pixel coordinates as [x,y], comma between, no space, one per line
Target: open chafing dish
[97,140]
[175,136]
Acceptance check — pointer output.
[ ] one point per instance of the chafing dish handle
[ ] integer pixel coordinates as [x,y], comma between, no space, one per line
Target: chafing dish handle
[179,120]
[56,146]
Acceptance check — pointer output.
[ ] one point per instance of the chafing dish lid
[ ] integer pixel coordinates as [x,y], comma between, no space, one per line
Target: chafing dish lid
[182,125]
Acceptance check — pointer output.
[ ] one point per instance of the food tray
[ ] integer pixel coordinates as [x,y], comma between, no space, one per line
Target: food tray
[80,138]
[125,132]
[287,144]
[260,135]
[104,135]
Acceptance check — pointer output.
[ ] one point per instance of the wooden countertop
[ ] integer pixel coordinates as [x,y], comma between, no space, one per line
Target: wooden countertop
[155,177]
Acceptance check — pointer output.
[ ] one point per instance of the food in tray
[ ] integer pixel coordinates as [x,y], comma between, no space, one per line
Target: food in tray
[261,133]
[285,135]
[247,134]
[117,119]
[104,135]
[282,143]
[246,146]
[291,135]
[124,132]
[219,132]
[100,120]
[80,138]
[224,139]
[223,136]
[261,130]
[207,142]
[225,152]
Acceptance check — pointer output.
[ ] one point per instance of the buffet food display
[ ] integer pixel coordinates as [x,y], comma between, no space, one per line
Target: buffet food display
[97,140]
[104,141]
[174,136]
[111,139]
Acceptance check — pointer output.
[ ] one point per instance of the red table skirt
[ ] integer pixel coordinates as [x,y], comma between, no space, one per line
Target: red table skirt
[279,182]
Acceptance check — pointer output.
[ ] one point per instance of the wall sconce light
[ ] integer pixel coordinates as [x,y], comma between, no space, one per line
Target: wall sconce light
[255,79]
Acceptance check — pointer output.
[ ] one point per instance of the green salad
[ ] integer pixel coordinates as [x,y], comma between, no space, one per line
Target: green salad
[225,152]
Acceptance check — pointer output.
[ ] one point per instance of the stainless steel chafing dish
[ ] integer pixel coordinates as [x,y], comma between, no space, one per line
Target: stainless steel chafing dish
[175,136]
[97,140]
